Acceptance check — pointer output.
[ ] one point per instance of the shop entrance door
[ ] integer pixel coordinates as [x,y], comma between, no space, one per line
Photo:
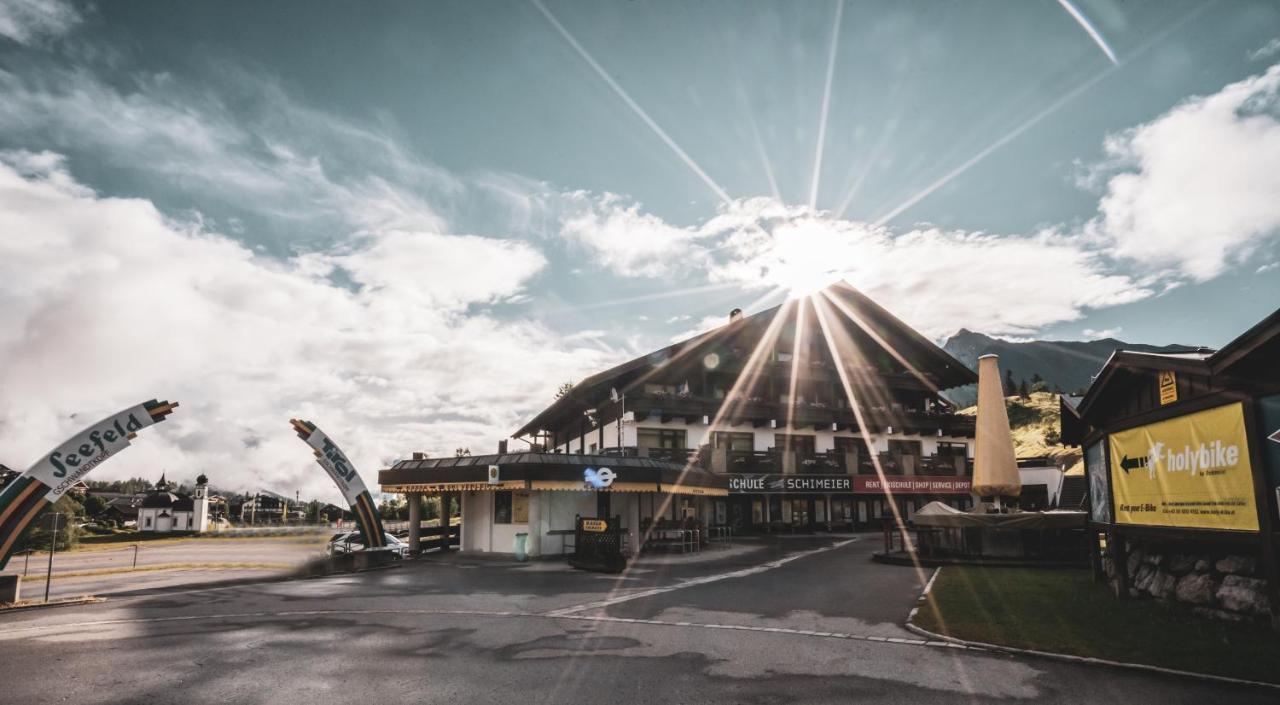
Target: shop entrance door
[802,514]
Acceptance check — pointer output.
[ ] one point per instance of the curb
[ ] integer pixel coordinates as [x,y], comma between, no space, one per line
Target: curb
[87,599]
[1068,658]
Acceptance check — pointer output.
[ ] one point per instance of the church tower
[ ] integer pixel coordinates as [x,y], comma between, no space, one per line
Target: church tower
[200,500]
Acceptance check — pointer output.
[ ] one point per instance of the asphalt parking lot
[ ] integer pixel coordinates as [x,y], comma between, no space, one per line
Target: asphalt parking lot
[801,620]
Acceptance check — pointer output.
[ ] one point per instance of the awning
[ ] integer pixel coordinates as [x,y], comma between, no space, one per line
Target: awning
[549,471]
[438,487]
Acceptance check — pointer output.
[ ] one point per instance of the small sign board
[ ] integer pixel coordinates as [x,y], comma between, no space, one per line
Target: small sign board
[598,544]
[1168,386]
[494,477]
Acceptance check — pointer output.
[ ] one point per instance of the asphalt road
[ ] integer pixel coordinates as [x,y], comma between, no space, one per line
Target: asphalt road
[793,621]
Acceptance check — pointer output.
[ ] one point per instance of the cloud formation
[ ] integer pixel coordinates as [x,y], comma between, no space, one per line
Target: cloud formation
[1197,187]
[31,21]
[106,303]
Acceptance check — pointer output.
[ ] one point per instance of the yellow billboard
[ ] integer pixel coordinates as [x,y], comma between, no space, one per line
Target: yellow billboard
[1192,472]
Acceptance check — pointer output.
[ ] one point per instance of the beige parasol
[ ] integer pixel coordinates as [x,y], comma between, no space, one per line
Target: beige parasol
[995,470]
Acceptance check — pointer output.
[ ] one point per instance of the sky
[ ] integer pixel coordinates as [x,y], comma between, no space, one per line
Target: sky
[411,222]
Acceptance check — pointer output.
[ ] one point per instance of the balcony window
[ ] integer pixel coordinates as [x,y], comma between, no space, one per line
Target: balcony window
[784,356]
[734,441]
[659,389]
[803,445]
[661,438]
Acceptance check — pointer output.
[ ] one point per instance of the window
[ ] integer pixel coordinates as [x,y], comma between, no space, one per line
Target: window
[650,388]
[502,507]
[784,356]
[802,445]
[148,522]
[734,441]
[900,448]
[845,444]
[661,438]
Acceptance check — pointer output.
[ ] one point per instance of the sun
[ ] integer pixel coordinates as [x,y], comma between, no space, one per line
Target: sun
[801,261]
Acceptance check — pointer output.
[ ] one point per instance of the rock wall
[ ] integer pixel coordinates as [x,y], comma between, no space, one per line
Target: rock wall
[1222,583]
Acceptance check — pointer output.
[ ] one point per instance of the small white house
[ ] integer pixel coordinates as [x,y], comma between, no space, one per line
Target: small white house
[163,510]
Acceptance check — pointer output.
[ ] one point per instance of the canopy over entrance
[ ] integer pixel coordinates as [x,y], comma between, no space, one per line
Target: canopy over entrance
[549,471]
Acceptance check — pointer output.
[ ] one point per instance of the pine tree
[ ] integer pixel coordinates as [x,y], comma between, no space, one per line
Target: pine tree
[1010,388]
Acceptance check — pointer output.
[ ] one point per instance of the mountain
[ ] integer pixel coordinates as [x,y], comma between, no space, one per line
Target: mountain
[1064,365]
[1034,424]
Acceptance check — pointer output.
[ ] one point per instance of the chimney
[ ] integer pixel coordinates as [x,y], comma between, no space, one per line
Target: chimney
[735,315]
[502,447]
[419,456]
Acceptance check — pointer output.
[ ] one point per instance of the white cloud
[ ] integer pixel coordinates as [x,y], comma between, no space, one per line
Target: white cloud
[105,303]
[30,21]
[1266,51]
[937,280]
[1092,334]
[1199,187]
[262,157]
[630,242]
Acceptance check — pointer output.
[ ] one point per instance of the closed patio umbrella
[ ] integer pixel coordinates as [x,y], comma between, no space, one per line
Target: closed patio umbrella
[995,470]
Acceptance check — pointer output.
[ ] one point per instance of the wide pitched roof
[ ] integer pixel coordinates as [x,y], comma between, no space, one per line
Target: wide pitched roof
[923,353]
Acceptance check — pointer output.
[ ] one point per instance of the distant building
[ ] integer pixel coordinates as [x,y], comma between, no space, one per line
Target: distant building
[163,510]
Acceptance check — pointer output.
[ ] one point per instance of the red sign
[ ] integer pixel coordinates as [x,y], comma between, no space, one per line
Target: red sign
[912,484]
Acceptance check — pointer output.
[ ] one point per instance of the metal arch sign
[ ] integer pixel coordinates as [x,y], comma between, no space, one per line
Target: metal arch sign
[50,477]
[344,475]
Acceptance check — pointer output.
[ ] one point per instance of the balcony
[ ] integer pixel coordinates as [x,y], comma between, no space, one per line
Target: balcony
[759,411]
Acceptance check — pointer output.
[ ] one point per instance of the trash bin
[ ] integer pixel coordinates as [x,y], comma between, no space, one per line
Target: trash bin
[522,546]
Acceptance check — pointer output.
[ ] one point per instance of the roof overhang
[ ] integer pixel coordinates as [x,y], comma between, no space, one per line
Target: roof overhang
[547,471]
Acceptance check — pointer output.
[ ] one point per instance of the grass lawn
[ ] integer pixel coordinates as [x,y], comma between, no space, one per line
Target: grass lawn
[1064,611]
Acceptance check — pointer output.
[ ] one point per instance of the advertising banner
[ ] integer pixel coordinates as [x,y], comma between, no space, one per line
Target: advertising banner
[1192,471]
[1095,467]
[343,473]
[23,499]
[898,484]
[1269,425]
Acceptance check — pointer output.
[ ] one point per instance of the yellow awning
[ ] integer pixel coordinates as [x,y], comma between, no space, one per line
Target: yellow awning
[576,486]
[695,490]
[438,487]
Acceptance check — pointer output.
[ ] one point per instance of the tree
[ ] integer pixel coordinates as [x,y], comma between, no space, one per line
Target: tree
[1022,390]
[94,505]
[462,452]
[564,389]
[1035,377]
[1010,387]
[1040,386]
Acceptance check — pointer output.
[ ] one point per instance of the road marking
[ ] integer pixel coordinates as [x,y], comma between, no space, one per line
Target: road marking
[211,618]
[694,582]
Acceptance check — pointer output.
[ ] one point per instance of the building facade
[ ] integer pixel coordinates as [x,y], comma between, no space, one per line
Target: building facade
[802,409]
[163,510]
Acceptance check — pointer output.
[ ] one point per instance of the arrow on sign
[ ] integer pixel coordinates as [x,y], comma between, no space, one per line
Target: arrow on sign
[1127,463]
[1275,437]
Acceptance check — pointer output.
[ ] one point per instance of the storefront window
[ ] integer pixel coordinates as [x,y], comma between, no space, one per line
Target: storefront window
[502,507]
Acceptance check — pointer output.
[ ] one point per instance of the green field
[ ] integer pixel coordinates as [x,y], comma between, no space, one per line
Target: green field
[1064,611]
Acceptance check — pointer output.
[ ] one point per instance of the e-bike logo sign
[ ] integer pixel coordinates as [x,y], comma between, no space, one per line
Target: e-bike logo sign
[598,479]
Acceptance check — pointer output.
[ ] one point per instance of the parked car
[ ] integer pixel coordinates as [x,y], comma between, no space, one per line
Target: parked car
[348,541]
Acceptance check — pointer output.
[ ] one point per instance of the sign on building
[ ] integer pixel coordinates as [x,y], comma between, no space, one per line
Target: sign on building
[1168,387]
[1191,472]
[1095,467]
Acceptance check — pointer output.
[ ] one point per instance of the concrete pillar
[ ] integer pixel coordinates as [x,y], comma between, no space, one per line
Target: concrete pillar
[534,547]
[10,588]
[415,521]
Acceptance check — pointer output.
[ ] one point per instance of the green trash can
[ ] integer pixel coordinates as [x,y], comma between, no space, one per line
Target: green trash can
[522,546]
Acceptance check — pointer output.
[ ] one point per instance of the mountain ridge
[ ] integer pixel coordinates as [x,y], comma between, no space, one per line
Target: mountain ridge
[1066,366]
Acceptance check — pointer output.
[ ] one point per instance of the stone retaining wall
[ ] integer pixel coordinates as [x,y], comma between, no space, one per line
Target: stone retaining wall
[1221,583]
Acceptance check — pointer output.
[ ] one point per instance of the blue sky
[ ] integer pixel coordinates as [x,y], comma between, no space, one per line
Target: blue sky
[414,220]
